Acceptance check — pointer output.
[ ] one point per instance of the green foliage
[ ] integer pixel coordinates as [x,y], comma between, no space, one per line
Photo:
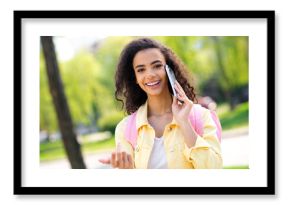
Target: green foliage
[187,49]
[109,121]
[80,77]
[107,55]
[238,117]
[234,54]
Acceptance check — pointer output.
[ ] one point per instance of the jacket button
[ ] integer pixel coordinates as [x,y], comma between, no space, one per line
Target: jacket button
[137,149]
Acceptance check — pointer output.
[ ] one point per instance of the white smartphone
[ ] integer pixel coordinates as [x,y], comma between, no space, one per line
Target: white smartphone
[171,78]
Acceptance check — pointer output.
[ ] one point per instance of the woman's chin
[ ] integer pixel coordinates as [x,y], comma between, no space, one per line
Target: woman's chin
[156,94]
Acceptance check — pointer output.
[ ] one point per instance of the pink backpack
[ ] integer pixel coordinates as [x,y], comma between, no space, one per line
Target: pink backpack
[194,117]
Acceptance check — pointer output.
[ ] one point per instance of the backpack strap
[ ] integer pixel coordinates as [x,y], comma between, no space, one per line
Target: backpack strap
[196,119]
[131,130]
[217,123]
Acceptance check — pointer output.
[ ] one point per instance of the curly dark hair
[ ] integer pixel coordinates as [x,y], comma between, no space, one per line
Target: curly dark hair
[125,81]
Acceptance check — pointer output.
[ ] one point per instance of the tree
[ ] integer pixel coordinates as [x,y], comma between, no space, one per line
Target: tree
[48,120]
[232,63]
[71,145]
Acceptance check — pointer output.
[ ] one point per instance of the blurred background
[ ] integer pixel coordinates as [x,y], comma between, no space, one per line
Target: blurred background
[86,65]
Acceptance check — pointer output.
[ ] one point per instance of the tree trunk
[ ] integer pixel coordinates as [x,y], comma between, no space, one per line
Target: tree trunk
[71,145]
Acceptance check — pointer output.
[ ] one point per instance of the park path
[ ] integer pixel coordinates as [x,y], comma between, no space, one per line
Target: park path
[235,151]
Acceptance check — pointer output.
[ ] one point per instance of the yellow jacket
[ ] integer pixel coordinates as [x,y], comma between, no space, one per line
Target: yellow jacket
[206,154]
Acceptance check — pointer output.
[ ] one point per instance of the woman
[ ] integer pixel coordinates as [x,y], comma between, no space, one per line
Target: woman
[165,135]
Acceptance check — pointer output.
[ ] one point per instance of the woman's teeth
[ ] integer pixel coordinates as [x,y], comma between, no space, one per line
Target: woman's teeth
[153,83]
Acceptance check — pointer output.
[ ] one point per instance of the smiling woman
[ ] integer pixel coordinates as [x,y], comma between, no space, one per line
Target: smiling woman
[163,134]
[151,76]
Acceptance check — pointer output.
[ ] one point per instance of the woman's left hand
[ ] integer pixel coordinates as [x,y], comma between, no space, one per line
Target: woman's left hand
[180,110]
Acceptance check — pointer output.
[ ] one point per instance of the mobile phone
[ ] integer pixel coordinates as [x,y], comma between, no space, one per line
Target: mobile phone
[171,78]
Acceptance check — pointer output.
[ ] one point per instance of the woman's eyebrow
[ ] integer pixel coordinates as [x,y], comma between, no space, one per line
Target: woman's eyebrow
[156,61]
[139,66]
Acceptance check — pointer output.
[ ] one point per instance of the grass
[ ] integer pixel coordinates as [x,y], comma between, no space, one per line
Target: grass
[239,117]
[237,167]
[55,150]
[99,146]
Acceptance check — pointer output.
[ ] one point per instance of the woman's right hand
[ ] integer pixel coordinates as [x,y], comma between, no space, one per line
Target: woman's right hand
[120,160]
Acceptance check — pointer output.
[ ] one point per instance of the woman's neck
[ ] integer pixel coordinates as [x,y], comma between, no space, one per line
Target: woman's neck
[158,106]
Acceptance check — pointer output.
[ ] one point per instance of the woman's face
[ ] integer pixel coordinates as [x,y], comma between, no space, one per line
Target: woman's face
[150,73]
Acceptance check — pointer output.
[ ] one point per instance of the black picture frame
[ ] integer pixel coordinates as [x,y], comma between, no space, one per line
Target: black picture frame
[19,189]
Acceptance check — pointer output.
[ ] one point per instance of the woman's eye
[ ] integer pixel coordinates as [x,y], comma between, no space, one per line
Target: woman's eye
[140,70]
[158,66]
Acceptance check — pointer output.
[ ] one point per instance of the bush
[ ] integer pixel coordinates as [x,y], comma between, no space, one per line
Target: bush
[239,117]
[109,122]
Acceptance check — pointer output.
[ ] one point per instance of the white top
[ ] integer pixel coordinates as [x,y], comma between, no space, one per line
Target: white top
[158,156]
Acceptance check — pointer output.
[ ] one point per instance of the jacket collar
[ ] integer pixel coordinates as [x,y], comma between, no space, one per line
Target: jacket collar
[141,118]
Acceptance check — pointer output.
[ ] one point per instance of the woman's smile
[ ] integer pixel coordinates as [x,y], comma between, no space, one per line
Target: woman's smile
[153,84]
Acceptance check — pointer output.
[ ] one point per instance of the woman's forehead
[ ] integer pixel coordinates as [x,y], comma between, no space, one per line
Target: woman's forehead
[147,56]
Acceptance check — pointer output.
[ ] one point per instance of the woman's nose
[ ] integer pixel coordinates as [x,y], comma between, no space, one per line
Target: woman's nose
[150,72]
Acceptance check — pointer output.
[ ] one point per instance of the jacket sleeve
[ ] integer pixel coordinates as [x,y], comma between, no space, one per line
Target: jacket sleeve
[120,139]
[206,153]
